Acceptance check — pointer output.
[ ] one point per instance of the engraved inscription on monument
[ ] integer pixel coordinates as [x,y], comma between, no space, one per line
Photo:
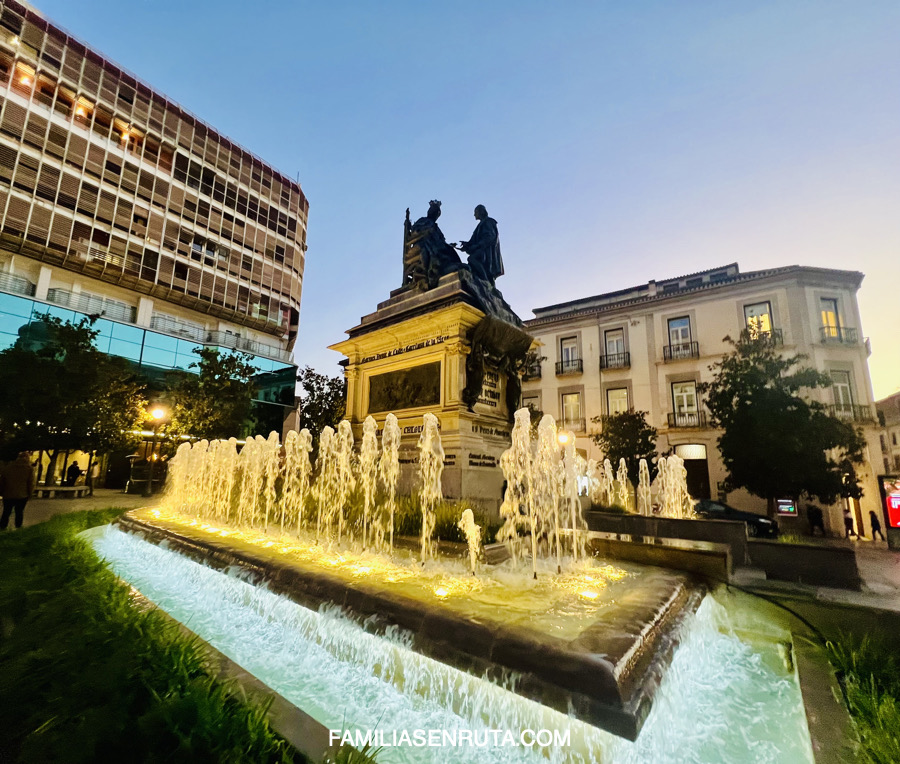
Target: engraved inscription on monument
[491,396]
[405,388]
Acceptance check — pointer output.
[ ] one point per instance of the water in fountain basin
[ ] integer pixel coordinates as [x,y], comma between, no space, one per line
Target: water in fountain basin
[719,701]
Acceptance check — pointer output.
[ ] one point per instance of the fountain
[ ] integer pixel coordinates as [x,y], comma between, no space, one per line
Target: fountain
[672,492]
[368,472]
[643,491]
[623,487]
[431,465]
[389,470]
[327,536]
[473,536]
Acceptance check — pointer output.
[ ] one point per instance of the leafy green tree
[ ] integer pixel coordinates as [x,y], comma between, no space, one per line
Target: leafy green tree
[61,393]
[776,442]
[323,401]
[217,400]
[627,436]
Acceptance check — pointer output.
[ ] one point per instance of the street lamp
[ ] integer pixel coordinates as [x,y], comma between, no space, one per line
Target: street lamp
[157,414]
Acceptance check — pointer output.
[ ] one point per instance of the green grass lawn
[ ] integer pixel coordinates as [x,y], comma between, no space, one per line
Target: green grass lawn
[870,671]
[85,676]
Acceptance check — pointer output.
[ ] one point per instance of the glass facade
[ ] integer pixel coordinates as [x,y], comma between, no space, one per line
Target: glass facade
[151,351]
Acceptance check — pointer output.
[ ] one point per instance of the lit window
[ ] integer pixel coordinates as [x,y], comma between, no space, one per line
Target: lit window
[617,401]
[831,324]
[758,318]
[571,406]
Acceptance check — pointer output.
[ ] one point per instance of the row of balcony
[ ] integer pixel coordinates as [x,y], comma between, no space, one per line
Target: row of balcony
[698,419]
[103,307]
[686,350]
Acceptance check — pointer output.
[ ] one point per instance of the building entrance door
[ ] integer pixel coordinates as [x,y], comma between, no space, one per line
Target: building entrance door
[694,455]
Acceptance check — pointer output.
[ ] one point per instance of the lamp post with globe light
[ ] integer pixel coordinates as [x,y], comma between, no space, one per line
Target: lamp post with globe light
[158,415]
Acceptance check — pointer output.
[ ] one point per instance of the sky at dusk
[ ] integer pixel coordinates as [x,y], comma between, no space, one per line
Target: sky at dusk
[614,142]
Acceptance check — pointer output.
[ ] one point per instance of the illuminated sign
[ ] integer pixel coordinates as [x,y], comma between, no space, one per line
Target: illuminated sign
[786,507]
[890,489]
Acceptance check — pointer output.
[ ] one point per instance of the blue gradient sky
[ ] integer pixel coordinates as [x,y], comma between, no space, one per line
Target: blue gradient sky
[614,142]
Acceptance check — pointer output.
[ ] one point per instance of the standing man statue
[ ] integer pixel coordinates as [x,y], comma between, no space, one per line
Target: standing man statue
[484,248]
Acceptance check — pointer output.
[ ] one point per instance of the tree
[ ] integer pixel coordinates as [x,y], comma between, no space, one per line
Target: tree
[323,401]
[61,393]
[776,443]
[217,401]
[627,436]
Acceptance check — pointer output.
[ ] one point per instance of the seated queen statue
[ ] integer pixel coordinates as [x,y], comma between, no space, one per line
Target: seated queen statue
[426,254]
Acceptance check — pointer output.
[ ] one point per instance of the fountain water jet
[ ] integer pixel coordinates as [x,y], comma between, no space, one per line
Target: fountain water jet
[368,472]
[389,469]
[643,491]
[431,467]
[473,536]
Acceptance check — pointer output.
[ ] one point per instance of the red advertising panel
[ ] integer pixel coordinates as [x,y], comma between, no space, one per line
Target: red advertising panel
[890,490]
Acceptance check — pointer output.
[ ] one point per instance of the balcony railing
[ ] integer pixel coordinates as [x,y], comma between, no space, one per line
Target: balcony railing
[178,328]
[93,304]
[840,335]
[570,366]
[851,412]
[772,336]
[681,350]
[575,425]
[615,361]
[532,371]
[232,341]
[16,285]
[687,419]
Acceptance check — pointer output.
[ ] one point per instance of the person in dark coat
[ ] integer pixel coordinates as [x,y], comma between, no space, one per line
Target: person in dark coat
[876,525]
[16,487]
[73,473]
[816,519]
[483,248]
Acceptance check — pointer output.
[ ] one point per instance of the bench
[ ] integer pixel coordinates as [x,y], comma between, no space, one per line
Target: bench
[61,491]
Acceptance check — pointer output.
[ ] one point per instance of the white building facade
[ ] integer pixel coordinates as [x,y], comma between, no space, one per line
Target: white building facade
[650,346]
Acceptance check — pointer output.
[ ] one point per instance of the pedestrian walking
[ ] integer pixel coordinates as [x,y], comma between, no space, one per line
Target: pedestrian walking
[876,525]
[816,519]
[848,525]
[16,487]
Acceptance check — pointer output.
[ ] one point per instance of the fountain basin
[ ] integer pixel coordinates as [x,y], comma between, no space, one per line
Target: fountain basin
[600,663]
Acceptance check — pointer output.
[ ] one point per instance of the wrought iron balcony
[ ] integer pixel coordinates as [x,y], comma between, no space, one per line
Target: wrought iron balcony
[615,361]
[575,425]
[772,336]
[680,351]
[16,285]
[687,419]
[571,366]
[851,412]
[92,304]
[839,335]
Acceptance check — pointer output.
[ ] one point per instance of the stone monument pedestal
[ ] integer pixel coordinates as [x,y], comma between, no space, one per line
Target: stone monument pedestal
[451,351]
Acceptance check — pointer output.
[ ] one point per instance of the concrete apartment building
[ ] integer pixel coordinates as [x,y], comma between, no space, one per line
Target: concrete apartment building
[116,202]
[649,346]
